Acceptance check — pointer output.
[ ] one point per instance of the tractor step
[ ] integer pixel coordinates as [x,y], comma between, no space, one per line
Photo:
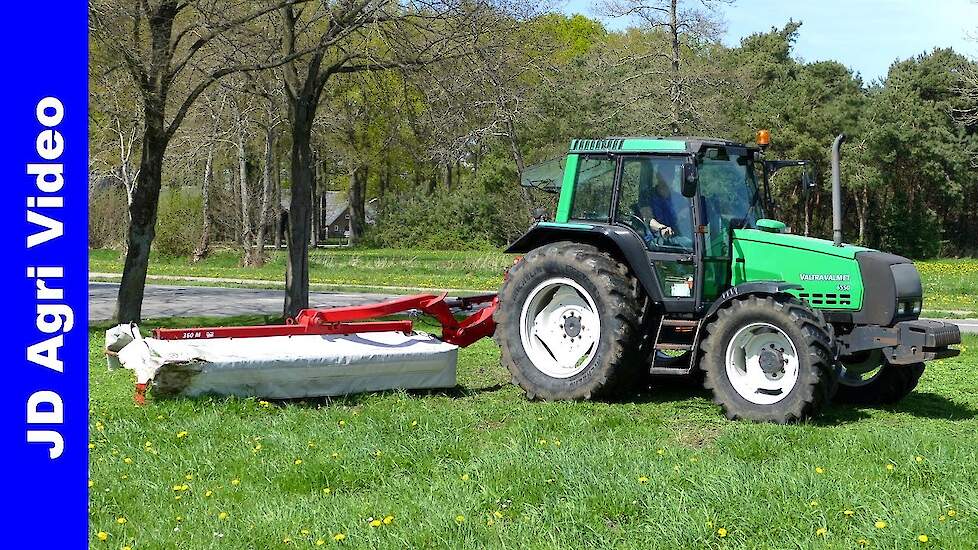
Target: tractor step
[675,335]
[680,323]
[674,346]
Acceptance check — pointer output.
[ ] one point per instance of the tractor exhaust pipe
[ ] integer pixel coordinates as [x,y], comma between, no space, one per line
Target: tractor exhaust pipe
[836,191]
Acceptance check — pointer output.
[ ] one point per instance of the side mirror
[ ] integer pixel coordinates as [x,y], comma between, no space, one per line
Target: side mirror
[690,179]
[807,183]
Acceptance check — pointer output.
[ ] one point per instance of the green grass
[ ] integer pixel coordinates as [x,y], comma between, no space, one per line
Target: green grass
[950,286]
[547,475]
[340,267]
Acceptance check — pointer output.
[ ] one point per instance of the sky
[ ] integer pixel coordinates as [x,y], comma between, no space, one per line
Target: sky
[865,35]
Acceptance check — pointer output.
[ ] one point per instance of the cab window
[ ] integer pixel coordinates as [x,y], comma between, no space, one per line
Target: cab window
[593,188]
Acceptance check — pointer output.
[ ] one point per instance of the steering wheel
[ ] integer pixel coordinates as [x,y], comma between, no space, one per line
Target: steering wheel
[648,235]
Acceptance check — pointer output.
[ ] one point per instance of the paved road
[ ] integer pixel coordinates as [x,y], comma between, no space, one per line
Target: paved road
[192,301]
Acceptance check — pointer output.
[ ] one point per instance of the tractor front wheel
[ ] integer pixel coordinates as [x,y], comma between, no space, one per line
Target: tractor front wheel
[768,359]
[867,379]
[568,322]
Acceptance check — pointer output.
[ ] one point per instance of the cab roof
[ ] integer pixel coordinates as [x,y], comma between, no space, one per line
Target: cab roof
[652,144]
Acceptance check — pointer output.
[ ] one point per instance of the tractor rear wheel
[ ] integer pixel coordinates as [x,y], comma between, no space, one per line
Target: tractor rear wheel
[867,379]
[568,322]
[769,359]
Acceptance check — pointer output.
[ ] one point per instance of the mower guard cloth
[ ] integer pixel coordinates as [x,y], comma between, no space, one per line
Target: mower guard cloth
[288,367]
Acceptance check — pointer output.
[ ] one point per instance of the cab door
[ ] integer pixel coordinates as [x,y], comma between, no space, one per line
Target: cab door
[649,201]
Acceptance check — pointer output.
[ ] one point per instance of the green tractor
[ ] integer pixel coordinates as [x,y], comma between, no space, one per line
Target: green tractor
[660,260]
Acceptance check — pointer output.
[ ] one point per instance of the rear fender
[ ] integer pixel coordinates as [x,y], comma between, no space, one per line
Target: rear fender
[624,245]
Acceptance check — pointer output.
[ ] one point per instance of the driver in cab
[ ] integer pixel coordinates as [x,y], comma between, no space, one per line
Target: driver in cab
[662,210]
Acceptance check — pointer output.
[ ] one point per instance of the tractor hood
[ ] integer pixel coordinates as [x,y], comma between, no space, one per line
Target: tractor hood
[800,242]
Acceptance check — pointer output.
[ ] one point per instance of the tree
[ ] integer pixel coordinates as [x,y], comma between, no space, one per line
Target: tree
[328,39]
[167,47]
[687,24]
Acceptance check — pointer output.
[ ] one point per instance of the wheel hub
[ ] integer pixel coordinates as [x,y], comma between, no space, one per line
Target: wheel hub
[572,325]
[771,361]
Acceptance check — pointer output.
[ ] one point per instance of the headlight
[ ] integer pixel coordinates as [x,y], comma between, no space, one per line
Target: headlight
[917,306]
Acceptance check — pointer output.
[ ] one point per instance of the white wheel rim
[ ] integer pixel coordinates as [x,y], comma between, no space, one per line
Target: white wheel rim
[762,363]
[559,328]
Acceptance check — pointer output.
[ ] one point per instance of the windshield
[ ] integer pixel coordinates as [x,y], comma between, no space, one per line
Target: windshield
[731,195]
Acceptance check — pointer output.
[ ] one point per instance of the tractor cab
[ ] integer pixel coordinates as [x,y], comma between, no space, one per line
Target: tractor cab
[678,199]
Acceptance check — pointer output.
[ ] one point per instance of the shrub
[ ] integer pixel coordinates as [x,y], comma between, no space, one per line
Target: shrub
[178,225]
[107,218]
[465,218]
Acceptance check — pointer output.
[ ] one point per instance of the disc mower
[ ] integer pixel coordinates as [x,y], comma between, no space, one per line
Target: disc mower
[660,260]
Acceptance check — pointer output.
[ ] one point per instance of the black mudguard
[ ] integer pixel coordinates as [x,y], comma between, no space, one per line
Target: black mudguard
[763,288]
[623,244]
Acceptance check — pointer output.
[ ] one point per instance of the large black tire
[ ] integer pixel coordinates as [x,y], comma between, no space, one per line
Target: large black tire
[808,333]
[619,301]
[888,385]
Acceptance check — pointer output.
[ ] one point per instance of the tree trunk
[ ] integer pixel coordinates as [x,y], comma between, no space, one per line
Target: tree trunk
[203,248]
[358,191]
[297,270]
[258,258]
[862,211]
[244,191]
[314,199]
[676,84]
[142,214]
[279,225]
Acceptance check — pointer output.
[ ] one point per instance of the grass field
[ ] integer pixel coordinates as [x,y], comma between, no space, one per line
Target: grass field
[341,267]
[480,466]
[950,286]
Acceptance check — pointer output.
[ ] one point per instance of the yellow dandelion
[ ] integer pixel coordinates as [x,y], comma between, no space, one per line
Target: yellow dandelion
[378,453]
[821,531]
[556,442]
[643,479]
[222,515]
[813,503]
[849,513]
[181,435]
[414,423]
[721,532]
[460,519]
[304,532]
[334,455]
[265,404]
[121,520]
[189,477]
[880,524]
[388,520]
[376,523]
[465,477]
[287,540]
[497,514]
[327,490]
[148,444]
[923,538]
[127,548]
[160,417]
[235,481]
[178,497]
[179,518]
[342,423]
[543,441]
[102,535]
[819,470]
[862,542]
[209,493]
[297,461]
[942,518]
[919,459]
[890,467]
[339,537]
[91,483]
[320,542]
[951,513]
[661,452]
[127,460]
[91,445]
